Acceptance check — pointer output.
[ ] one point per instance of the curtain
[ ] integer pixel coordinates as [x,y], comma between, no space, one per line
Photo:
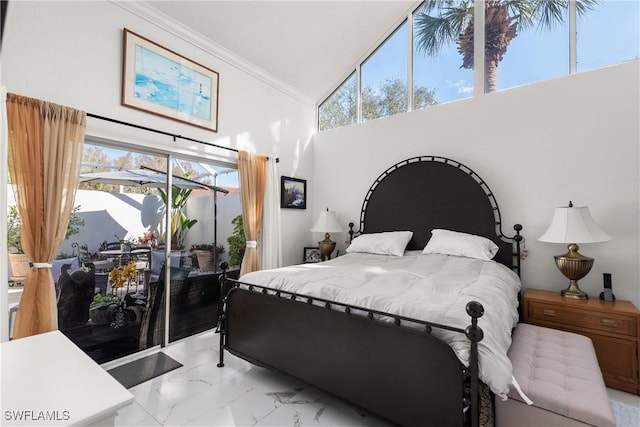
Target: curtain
[270,238]
[252,169]
[44,156]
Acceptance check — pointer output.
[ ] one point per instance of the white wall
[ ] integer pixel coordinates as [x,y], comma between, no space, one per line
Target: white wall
[70,53]
[202,208]
[538,146]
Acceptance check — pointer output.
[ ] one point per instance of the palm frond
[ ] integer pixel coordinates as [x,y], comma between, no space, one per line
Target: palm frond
[551,13]
[523,11]
[433,31]
[583,7]
[545,14]
[430,6]
[432,34]
[437,23]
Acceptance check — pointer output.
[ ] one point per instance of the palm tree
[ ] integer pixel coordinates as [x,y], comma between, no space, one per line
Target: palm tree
[440,22]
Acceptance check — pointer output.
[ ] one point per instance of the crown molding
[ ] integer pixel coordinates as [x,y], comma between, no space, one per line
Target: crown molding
[170,25]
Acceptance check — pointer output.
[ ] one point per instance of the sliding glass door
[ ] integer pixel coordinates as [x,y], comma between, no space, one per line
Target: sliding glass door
[122,238]
[109,272]
[204,234]
[104,271]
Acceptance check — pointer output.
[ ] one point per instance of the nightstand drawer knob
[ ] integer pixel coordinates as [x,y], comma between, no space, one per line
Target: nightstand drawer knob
[549,312]
[609,322]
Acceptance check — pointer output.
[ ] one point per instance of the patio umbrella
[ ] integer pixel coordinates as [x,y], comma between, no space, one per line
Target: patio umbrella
[144,178]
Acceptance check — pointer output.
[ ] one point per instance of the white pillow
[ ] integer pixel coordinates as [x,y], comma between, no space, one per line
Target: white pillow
[385,243]
[461,244]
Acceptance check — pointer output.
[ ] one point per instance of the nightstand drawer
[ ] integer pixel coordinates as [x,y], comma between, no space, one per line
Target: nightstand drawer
[577,318]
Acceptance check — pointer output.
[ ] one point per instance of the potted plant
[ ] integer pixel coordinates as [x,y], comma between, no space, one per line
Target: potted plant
[103,308]
[204,256]
[18,260]
[180,224]
[149,239]
[237,242]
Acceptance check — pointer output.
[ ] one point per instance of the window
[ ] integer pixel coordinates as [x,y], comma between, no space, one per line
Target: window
[340,108]
[521,50]
[438,75]
[609,34]
[384,78]
[526,42]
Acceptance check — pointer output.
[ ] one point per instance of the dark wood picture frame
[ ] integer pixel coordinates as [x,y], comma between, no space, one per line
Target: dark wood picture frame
[312,254]
[293,193]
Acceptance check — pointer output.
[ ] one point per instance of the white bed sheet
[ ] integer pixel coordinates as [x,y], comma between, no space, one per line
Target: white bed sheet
[434,288]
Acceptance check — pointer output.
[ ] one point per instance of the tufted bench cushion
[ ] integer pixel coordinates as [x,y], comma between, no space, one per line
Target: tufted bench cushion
[559,372]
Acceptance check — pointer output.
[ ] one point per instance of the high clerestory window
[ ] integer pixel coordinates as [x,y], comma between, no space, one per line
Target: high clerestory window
[526,42]
[339,109]
[384,78]
[437,70]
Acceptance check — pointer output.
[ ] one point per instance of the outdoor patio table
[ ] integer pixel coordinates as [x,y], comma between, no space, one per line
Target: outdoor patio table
[103,265]
[120,252]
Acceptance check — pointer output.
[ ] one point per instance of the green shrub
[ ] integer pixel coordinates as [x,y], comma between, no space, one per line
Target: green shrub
[237,242]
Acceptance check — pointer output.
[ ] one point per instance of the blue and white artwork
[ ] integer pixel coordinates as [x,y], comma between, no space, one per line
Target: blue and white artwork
[170,84]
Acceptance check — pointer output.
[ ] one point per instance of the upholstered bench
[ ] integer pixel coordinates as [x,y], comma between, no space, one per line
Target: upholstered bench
[559,372]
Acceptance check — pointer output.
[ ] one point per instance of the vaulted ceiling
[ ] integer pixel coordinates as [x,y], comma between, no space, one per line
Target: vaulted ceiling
[310,45]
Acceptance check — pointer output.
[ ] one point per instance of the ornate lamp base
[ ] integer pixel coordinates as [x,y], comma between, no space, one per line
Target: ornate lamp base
[573,291]
[326,246]
[574,266]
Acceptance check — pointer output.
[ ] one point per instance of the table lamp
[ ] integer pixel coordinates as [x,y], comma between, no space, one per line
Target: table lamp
[327,223]
[573,225]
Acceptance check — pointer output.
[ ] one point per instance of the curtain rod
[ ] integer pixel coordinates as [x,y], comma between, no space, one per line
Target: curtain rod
[173,135]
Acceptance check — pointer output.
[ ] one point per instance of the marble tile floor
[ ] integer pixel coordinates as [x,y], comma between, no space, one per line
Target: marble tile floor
[240,394]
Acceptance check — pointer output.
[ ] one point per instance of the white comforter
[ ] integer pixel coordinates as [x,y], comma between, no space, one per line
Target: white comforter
[433,288]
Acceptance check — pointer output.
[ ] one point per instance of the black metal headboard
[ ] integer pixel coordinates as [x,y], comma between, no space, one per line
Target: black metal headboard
[427,192]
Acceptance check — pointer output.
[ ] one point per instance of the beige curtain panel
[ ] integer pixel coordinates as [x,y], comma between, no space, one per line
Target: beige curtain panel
[252,169]
[45,152]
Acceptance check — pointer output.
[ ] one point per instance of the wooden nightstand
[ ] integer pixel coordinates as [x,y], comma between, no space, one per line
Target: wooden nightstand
[612,326]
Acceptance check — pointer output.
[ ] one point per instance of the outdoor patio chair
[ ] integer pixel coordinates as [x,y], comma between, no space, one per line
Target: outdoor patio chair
[83,253]
[152,328]
[57,264]
[156,263]
[75,293]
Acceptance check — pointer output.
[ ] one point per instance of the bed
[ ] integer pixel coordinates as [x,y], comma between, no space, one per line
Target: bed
[363,326]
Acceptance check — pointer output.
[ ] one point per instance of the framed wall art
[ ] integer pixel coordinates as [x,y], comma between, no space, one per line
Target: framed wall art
[312,254]
[163,82]
[293,193]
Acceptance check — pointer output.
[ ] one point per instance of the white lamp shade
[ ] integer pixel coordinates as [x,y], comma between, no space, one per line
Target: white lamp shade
[327,223]
[573,225]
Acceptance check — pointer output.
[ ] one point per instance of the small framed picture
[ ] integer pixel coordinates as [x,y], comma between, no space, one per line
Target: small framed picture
[312,254]
[293,193]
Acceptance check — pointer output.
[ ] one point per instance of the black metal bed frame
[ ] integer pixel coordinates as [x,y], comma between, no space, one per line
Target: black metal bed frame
[380,361]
